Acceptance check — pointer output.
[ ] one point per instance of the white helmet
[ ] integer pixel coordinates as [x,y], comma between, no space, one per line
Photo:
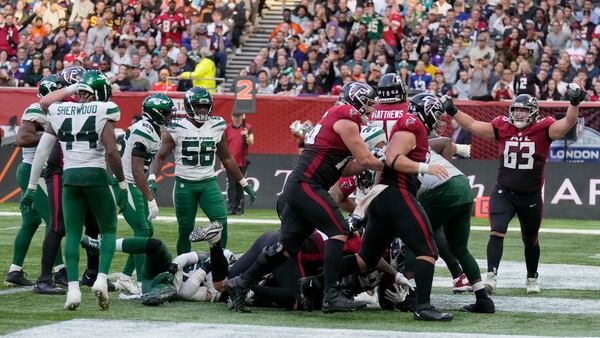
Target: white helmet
[372,136]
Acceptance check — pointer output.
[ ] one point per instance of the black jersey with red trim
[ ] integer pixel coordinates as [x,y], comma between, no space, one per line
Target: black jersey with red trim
[325,155]
[409,123]
[523,153]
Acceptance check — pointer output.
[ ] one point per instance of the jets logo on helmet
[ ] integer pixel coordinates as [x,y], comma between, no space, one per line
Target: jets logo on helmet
[198,103]
[523,111]
[159,109]
[48,84]
[97,84]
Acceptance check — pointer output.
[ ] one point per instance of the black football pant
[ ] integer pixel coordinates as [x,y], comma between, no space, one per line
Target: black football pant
[235,193]
[56,231]
[504,205]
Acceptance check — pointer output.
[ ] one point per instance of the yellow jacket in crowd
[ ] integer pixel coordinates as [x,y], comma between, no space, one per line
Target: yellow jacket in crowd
[205,69]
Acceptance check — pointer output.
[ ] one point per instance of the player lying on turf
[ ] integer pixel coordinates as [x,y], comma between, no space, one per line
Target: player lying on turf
[524,139]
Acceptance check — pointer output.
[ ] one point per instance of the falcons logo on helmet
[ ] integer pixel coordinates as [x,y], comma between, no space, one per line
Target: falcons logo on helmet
[358,89]
[432,106]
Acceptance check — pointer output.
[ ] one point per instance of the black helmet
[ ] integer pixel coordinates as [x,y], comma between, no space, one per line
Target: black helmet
[428,108]
[391,89]
[71,75]
[527,102]
[361,96]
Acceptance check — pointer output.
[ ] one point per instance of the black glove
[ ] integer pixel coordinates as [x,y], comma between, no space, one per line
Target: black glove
[448,105]
[575,94]
[366,179]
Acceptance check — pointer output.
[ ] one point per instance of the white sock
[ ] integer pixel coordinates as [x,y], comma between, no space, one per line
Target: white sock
[58,267]
[74,286]
[14,267]
[119,245]
[102,278]
[478,286]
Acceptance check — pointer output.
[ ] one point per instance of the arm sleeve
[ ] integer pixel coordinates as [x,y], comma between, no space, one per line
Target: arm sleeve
[41,155]
[113,113]
[139,150]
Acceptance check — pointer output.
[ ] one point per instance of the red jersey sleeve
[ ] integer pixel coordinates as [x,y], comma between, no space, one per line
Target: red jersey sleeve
[499,123]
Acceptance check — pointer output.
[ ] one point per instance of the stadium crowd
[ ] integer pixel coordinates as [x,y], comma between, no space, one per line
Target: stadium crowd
[477,50]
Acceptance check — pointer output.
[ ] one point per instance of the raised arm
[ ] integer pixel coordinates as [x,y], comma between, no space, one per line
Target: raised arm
[560,128]
[482,129]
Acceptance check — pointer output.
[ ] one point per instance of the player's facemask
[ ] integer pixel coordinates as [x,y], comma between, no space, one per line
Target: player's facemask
[520,117]
[367,109]
[202,112]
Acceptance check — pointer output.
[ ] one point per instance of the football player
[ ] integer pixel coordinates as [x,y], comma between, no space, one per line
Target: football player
[196,139]
[395,211]
[391,90]
[85,130]
[328,150]
[524,139]
[33,122]
[138,148]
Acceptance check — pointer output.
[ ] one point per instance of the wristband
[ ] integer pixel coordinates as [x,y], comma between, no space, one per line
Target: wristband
[72,89]
[151,177]
[463,150]
[123,185]
[243,182]
[32,187]
[423,168]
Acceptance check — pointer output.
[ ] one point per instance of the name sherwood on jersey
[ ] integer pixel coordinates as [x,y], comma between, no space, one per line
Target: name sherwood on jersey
[76,110]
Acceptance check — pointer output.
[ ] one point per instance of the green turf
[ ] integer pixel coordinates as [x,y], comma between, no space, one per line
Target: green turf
[25,310]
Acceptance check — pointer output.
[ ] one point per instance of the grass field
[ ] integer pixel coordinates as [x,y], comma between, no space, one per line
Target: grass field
[23,310]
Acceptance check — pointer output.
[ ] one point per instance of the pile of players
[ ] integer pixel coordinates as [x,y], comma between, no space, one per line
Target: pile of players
[412,202]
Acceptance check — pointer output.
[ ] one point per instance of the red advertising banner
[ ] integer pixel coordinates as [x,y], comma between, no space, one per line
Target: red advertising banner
[275,113]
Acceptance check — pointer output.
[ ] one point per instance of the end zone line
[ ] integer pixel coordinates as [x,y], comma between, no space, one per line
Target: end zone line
[277,222]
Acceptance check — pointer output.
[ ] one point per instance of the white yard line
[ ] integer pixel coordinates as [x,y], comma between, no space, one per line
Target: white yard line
[277,222]
[15,290]
[147,329]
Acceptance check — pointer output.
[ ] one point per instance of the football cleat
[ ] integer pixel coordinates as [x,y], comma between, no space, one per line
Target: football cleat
[335,301]
[237,295]
[89,277]
[17,278]
[166,293]
[60,277]
[532,285]
[461,284]
[432,314]
[100,290]
[73,299]
[481,306]
[210,233]
[127,285]
[47,288]
[490,283]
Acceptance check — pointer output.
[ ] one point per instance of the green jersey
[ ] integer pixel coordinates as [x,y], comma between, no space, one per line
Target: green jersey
[195,148]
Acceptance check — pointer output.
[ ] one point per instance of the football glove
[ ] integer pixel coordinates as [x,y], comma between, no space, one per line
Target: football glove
[355,222]
[379,153]
[153,209]
[396,294]
[250,191]
[402,281]
[575,94]
[448,105]
[27,199]
[152,185]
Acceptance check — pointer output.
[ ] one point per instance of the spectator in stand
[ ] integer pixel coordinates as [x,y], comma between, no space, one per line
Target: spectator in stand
[479,76]
[576,51]
[171,24]
[591,68]
[287,24]
[149,73]
[53,14]
[81,10]
[481,50]
[419,80]
[219,45]
[561,85]
[137,81]
[551,93]
[184,65]
[164,84]
[33,74]
[240,136]
[205,72]
[525,81]
[47,59]
[284,86]
[5,79]
[450,68]
[442,87]
[120,57]
[310,86]
[462,87]
[9,35]
[503,89]
[97,34]
[121,80]
[358,59]
[263,85]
